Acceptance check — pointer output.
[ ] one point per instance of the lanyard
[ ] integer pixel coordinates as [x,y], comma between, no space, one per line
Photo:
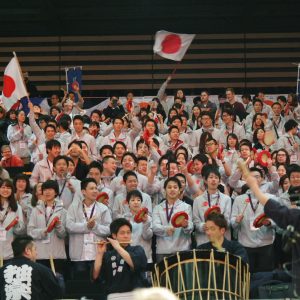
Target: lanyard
[51,213]
[251,203]
[208,198]
[49,167]
[85,214]
[5,215]
[232,129]
[167,211]
[63,187]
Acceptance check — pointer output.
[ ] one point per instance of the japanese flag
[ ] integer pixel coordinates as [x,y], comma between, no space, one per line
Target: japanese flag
[172,45]
[13,85]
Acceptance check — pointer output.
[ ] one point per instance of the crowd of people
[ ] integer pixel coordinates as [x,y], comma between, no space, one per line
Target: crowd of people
[142,166]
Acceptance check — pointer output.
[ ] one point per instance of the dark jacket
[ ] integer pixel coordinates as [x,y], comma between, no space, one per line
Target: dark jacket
[22,278]
[232,247]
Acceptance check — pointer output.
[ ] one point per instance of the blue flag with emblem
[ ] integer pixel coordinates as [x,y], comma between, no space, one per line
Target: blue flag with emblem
[74,82]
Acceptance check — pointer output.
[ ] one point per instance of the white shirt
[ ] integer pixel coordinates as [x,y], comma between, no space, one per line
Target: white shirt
[89,249]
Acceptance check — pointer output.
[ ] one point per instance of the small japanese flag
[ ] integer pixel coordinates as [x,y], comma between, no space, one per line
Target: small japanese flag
[172,45]
[13,85]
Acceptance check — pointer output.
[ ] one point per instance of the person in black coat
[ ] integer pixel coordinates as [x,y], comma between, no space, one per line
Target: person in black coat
[23,278]
[216,226]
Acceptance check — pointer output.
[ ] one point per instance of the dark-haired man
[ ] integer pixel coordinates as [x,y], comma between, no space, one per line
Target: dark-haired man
[87,222]
[258,242]
[43,170]
[121,268]
[23,278]
[290,141]
[211,197]
[80,135]
[80,159]
[216,226]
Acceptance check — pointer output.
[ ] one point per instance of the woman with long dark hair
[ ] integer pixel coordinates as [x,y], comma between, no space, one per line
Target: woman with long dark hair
[11,219]
[19,135]
[23,195]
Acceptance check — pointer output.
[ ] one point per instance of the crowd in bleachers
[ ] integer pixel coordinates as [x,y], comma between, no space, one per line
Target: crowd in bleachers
[130,151]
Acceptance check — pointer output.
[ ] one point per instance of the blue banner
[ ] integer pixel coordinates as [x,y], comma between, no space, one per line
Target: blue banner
[74,82]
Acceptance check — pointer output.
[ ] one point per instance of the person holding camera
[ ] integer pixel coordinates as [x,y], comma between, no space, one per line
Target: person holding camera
[114,108]
[283,216]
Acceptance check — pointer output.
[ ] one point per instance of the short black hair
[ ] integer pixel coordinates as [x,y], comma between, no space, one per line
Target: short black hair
[78,117]
[119,143]
[257,100]
[177,117]
[201,157]
[52,143]
[134,193]
[118,118]
[117,224]
[51,184]
[20,243]
[63,123]
[86,181]
[172,127]
[132,155]
[109,147]
[293,168]
[290,124]
[76,143]
[49,126]
[206,113]
[181,175]
[255,169]
[218,219]
[173,179]
[96,165]
[59,157]
[141,141]
[129,173]
[210,169]
[106,158]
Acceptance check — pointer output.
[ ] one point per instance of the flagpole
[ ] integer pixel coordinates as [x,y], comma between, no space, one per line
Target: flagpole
[175,69]
[20,70]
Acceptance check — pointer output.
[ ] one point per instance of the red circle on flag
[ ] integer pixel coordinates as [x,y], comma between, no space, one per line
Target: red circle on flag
[171,44]
[9,86]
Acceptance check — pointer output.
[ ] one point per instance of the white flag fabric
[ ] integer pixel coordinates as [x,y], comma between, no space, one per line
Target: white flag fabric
[172,45]
[13,85]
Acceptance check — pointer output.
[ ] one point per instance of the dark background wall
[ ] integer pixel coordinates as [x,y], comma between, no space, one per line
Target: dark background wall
[244,44]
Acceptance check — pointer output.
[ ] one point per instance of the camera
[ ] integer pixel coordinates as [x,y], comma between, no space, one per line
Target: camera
[294,192]
[114,102]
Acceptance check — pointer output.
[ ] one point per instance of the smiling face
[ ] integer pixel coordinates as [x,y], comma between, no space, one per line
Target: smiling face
[49,195]
[212,181]
[21,185]
[128,163]
[5,191]
[110,166]
[174,134]
[131,183]
[172,191]
[150,127]
[135,204]
[91,192]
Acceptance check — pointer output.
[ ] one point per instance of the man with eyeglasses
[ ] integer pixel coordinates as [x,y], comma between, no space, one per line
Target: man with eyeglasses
[207,126]
[9,160]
